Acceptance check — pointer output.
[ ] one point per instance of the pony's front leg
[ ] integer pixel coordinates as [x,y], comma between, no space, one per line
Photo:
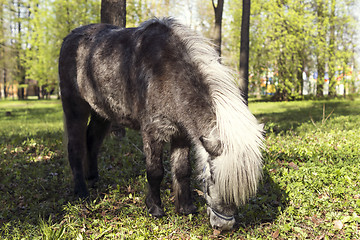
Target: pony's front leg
[155,173]
[181,171]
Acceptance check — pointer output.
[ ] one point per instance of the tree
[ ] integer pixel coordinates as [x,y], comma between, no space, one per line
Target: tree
[113,12]
[322,26]
[49,23]
[9,39]
[218,10]
[3,91]
[19,14]
[341,47]
[244,50]
[331,64]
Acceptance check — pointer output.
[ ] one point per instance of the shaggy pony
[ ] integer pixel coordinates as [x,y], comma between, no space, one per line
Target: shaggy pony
[167,81]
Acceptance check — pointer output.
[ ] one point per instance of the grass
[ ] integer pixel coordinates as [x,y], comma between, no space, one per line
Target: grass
[310,188]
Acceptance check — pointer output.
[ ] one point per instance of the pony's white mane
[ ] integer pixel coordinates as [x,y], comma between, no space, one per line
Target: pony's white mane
[238,169]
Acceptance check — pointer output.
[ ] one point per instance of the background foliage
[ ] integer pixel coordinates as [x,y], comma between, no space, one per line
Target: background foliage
[290,37]
[287,37]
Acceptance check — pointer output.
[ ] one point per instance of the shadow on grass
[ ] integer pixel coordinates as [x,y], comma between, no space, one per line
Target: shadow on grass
[36,181]
[294,114]
[48,113]
[33,173]
[265,207]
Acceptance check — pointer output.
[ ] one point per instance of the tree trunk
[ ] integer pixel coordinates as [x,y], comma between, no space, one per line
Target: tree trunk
[320,78]
[21,93]
[332,80]
[244,50]
[320,54]
[113,12]
[20,67]
[38,92]
[218,23]
[4,81]
[300,80]
[2,52]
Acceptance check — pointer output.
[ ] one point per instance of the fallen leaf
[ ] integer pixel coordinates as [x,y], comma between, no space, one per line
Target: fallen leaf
[338,225]
[275,234]
[216,232]
[293,166]
[320,237]
[315,220]
[200,193]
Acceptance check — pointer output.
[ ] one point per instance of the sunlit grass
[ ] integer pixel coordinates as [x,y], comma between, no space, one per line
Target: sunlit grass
[310,187]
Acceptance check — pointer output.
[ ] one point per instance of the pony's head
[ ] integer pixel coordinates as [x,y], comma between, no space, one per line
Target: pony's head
[221,214]
[230,154]
[229,150]
[229,176]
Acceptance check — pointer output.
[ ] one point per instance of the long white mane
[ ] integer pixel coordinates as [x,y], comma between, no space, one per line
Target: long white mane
[238,169]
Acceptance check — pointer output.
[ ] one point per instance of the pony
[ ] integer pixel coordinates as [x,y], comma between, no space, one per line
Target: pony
[168,82]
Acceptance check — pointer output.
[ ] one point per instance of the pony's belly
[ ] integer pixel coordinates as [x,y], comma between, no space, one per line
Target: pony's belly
[115,112]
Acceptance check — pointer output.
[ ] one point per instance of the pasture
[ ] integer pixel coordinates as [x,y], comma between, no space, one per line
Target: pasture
[310,186]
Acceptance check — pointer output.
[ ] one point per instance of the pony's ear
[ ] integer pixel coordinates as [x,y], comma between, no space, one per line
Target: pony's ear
[212,146]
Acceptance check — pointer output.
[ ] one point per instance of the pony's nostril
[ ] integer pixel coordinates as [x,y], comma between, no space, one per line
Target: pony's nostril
[216,227]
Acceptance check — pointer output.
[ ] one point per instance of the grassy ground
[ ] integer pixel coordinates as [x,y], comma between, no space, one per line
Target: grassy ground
[310,188]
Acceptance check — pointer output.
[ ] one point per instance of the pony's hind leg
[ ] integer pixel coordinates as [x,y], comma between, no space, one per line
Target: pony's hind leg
[154,172]
[76,113]
[96,132]
[181,171]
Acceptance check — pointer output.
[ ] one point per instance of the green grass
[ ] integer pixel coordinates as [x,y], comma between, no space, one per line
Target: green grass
[310,188]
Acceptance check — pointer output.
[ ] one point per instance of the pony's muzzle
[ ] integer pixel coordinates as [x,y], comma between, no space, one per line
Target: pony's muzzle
[219,221]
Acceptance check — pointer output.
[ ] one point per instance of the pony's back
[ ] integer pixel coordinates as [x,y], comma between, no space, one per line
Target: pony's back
[131,74]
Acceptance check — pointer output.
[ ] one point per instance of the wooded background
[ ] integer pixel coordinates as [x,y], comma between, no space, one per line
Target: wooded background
[287,40]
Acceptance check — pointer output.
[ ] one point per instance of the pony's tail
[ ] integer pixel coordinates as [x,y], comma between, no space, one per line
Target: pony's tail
[238,169]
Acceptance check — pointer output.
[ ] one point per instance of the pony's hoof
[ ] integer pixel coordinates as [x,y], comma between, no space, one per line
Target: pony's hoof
[82,194]
[81,191]
[92,181]
[156,211]
[186,210]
